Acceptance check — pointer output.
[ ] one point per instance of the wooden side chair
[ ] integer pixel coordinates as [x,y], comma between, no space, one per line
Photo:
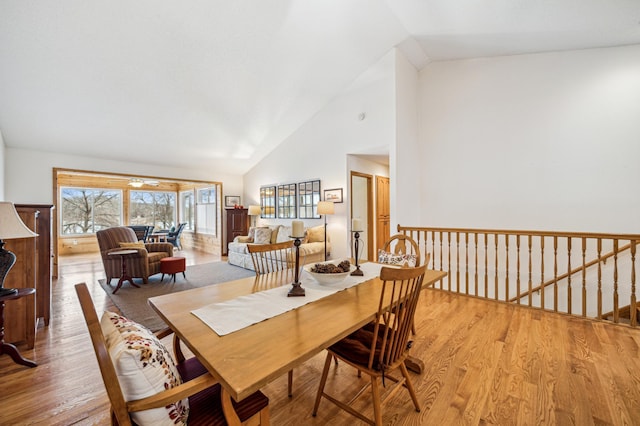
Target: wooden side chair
[381,346]
[208,403]
[272,257]
[269,258]
[401,250]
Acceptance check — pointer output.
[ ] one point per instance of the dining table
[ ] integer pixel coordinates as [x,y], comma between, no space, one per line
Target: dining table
[247,359]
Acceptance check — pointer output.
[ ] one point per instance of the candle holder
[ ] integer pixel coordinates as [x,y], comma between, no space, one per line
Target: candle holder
[356,236]
[296,285]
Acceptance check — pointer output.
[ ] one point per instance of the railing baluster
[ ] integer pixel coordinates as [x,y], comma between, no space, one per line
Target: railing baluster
[518,289]
[486,265]
[599,278]
[542,271]
[466,263]
[449,257]
[616,311]
[555,273]
[458,261]
[584,277]
[475,250]
[633,310]
[506,267]
[569,298]
[495,272]
[530,241]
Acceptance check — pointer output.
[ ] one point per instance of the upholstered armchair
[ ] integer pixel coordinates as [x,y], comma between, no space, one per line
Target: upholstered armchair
[142,265]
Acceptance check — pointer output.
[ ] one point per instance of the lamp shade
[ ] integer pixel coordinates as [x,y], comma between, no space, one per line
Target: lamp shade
[326,207]
[255,210]
[11,226]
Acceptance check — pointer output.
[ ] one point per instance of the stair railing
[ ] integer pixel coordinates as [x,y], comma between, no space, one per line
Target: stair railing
[576,273]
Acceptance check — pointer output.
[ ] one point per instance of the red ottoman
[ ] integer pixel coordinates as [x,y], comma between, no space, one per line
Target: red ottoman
[173,265]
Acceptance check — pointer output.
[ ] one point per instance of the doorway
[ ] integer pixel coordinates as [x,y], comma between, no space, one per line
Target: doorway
[362,208]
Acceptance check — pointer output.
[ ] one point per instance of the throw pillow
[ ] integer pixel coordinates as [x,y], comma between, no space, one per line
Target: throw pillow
[396,259]
[284,232]
[316,234]
[262,236]
[136,245]
[274,233]
[144,367]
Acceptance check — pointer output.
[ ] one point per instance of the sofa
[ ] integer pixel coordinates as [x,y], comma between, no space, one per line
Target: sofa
[311,249]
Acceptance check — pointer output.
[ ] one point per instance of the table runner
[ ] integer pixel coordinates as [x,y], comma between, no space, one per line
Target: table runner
[236,314]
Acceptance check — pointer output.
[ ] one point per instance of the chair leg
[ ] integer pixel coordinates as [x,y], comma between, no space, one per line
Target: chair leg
[409,385]
[290,383]
[323,380]
[375,391]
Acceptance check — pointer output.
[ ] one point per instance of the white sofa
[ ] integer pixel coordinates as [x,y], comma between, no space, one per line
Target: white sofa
[311,249]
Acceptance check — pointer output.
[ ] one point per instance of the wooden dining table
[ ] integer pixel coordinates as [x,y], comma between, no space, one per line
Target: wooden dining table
[246,360]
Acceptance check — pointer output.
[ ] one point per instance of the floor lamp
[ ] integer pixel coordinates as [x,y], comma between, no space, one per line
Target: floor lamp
[11,226]
[253,212]
[325,208]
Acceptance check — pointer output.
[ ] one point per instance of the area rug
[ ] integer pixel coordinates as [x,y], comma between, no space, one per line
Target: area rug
[132,301]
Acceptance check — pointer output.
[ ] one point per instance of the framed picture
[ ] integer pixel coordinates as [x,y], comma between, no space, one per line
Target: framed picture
[231,200]
[334,195]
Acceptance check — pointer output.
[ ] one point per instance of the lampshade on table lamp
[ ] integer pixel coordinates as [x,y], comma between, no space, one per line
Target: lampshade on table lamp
[254,211]
[325,208]
[11,227]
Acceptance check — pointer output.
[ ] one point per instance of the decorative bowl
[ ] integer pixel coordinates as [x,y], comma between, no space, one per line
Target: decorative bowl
[328,278]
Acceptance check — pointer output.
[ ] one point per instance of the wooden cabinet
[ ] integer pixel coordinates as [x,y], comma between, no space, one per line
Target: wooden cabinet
[237,224]
[383,216]
[31,270]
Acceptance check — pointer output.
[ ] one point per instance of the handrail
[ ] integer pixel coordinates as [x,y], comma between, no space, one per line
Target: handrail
[565,272]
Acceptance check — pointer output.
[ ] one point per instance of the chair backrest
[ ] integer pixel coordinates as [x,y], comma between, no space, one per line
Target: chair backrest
[178,230]
[401,289]
[272,257]
[108,371]
[111,238]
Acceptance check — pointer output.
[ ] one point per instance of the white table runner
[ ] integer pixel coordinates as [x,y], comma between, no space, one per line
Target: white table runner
[236,314]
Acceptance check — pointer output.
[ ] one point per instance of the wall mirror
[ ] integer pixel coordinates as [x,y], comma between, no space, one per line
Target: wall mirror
[268,202]
[308,196]
[287,201]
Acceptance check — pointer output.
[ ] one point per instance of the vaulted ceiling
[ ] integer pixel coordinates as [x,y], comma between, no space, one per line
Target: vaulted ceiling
[220,83]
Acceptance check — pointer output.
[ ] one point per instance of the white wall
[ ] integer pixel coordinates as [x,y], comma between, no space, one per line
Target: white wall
[546,141]
[29,174]
[2,168]
[319,148]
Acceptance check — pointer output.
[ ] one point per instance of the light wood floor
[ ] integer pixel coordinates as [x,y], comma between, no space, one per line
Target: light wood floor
[487,363]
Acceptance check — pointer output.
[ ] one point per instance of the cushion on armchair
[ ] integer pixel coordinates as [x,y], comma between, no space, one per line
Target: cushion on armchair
[136,245]
[262,236]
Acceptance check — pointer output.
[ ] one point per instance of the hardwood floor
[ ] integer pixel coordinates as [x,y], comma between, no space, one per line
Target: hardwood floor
[486,363]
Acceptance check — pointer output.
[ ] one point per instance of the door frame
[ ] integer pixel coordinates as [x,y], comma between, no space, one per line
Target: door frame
[370,196]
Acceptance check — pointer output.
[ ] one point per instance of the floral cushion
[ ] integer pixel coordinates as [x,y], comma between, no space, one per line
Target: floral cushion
[396,259]
[144,367]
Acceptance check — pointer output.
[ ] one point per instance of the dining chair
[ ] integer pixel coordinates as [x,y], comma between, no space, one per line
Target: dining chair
[400,250]
[159,400]
[269,258]
[380,347]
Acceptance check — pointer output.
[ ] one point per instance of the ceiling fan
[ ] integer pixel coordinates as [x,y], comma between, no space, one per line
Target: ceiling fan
[138,183]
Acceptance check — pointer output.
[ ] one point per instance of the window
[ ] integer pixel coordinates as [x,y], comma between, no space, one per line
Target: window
[152,208]
[206,217]
[287,201]
[87,210]
[187,210]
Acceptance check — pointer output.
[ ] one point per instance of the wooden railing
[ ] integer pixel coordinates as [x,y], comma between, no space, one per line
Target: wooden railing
[585,274]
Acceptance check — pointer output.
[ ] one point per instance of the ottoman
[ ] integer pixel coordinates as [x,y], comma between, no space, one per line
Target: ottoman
[173,265]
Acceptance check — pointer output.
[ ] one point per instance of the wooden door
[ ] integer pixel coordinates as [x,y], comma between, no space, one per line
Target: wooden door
[383,231]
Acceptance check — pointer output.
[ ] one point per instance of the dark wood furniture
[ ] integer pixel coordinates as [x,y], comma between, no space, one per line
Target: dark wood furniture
[124,276]
[31,270]
[237,224]
[7,348]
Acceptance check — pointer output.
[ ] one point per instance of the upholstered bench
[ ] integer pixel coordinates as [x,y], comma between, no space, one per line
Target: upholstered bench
[173,265]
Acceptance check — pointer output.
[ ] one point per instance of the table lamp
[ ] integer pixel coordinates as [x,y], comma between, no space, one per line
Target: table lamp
[253,212]
[325,208]
[11,226]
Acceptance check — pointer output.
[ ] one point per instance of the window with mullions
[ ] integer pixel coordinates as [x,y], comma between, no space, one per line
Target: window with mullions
[87,210]
[187,210]
[308,196]
[155,208]
[287,208]
[206,211]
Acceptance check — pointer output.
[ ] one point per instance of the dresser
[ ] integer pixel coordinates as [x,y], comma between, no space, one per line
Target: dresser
[237,224]
[31,270]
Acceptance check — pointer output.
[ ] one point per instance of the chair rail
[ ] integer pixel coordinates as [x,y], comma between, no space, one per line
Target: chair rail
[567,272]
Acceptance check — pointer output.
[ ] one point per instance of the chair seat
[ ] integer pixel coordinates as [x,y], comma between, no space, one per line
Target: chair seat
[356,347]
[205,407]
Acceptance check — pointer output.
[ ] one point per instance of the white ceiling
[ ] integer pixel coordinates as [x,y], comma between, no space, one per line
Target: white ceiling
[201,83]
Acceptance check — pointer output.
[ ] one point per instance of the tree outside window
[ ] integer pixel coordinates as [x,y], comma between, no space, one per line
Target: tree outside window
[87,210]
[152,208]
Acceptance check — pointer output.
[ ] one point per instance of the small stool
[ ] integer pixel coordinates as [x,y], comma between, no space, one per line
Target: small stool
[173,265]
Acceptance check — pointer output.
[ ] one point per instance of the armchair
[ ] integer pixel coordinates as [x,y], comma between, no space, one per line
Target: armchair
[142,265]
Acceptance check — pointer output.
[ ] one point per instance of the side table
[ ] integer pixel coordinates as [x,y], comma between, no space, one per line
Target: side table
[124,277]
[8,348]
